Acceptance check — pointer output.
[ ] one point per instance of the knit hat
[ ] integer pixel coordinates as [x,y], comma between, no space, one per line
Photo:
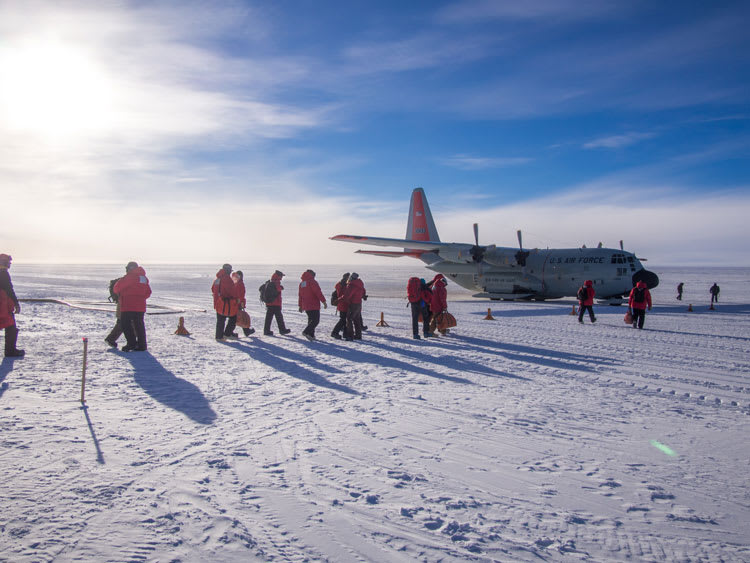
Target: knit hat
[279,273]
[354,276]
[227,268]
[5,259]
[131,266]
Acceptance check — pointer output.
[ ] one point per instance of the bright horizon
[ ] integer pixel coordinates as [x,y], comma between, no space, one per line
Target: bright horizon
[193,134]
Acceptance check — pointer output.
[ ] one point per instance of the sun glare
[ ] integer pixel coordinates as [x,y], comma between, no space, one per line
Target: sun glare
[53,91]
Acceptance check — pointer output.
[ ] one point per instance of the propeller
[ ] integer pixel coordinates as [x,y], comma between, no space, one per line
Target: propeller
[476,251]
[521,255]
[622,246]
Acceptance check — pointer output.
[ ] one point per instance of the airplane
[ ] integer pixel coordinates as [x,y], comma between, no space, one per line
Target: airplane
[506,273]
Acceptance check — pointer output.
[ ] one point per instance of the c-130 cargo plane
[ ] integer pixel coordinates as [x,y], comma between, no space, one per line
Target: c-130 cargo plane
[509,273]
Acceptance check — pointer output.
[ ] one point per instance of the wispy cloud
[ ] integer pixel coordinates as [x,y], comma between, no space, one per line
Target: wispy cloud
[618,141]
[468,162]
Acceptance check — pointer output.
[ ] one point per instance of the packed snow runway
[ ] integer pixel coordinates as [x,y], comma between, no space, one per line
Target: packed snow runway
[526,438]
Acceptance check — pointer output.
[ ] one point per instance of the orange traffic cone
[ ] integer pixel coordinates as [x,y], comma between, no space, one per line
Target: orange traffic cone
[382,321]
[181,330]
[690,308]
[573,312]
[489,316]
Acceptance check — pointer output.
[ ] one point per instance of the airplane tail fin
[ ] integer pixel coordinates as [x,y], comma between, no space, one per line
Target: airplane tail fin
[420,225]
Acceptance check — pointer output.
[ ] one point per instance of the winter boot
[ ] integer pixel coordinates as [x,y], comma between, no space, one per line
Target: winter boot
[11,337]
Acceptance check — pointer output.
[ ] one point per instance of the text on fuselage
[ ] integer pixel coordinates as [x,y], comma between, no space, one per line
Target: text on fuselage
[578,260]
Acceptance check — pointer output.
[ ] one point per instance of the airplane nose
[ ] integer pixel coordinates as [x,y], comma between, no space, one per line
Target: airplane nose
[649,278]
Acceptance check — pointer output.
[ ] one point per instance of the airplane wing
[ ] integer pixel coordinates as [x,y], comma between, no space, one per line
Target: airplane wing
[426,246]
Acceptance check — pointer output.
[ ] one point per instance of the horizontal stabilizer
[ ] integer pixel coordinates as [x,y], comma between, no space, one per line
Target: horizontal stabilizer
[390,253]
[402,243]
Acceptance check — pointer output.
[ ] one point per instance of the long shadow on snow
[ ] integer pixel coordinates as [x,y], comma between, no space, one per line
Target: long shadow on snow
[529,354]
[354,353]
[171,391]
[99,454]
[270,355]
[457,364]
[6,366]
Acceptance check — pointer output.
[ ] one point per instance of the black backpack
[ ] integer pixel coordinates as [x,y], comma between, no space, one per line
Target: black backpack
[268,292]
[113,297]
[639,295]
[583,293]
[335,297]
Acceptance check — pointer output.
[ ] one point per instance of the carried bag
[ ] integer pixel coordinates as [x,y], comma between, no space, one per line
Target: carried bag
[628,318]
[268,292]
[243,319]
[445,321]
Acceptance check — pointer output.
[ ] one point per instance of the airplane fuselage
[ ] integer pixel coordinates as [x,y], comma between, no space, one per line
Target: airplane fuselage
[548,274]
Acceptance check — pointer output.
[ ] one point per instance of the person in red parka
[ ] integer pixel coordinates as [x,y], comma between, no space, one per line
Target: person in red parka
[639,301]
[273,309]
[239,288]
[310,298]
[133,290]
[226,303]
[9,308]
[341,307]
[354,294]
[439,300]
[586,301]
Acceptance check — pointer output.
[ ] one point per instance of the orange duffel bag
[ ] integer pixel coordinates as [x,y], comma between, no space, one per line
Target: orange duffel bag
[445,321]
[243,319]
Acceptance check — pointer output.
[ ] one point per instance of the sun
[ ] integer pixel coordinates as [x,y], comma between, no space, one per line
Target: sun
[54,91]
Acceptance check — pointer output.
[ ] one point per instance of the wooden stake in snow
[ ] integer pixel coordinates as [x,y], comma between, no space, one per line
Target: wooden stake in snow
[489,316]
[382,321]
[83,373]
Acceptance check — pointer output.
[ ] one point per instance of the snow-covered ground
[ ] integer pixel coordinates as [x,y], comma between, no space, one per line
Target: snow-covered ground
[525,438]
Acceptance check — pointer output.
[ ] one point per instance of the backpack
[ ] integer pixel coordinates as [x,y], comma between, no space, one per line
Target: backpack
[113,297]
[335,298]
[639,295]
[583,293]
[414,290]
[268,292]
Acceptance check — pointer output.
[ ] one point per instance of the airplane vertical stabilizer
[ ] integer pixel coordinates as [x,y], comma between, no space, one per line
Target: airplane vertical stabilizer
[420,225]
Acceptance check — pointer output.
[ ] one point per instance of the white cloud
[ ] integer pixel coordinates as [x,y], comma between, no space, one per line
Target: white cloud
[617,141]
[467,162]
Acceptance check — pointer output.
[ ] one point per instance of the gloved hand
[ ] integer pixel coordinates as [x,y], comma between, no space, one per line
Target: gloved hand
[325,305]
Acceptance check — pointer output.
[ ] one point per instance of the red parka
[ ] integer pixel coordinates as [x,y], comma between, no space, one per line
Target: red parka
[225,294]
[646,297]
[310,295]
[341,305]
[354,292]
[590,292]
[276,279]
[239,290]
[133,289]
[439,302]
[7,300]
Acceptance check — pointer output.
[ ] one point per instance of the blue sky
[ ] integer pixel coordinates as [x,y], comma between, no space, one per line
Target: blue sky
[251,132]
